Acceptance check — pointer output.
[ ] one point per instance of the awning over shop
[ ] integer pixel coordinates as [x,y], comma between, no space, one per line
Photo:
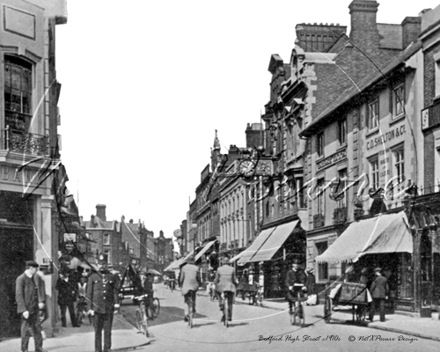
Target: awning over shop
[204,249]
[274,242]
[256,245]
[174,265]
[238,256]
[386,233]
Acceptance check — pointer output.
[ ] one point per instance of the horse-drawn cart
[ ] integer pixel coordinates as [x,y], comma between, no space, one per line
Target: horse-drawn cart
[348,293]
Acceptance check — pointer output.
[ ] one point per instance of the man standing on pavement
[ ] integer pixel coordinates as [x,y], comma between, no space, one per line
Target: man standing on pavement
[379,292]
[294,276]
[189,280]
[225,283]
[102,298]
[30,297]
[67,292]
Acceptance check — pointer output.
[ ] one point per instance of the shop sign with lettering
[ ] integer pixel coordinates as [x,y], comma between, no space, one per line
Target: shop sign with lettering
[386,137]
[14,175]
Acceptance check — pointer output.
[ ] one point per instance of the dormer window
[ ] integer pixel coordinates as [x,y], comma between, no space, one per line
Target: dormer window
[373,115]
[398,101]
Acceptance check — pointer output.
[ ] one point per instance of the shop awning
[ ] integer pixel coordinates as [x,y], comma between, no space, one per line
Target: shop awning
[238,256]
[249,252]
[175,265]
[204,249]
[386,233]
[274,242]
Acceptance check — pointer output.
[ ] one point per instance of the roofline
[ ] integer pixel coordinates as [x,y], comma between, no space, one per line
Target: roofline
[322,119]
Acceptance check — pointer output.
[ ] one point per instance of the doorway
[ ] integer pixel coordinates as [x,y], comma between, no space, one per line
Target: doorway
[16,247]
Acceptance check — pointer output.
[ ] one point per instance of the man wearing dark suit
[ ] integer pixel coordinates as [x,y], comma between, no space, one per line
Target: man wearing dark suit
[102,298]
[379,292]
[30,297]
[189,280]
[67,292]
[295,276]
[225,283]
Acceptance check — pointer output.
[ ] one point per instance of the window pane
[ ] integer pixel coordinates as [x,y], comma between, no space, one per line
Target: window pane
[26,104]
[7,76]
[16,77]
[26,81]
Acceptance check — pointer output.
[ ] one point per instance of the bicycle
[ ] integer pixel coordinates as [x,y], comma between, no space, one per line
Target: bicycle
[152,305]
[225,307]
[191,307]
[172,284]
[141,315]
[81,310]
[298,312]
[211,290]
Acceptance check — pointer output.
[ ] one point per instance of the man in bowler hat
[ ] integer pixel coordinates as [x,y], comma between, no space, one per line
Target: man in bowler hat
[30,297]
[379,292]
[102,298]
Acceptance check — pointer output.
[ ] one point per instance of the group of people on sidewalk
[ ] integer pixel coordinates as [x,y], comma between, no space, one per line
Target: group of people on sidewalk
[101,299]
[225,284]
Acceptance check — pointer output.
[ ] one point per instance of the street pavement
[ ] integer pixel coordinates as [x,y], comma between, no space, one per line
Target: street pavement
[253,329]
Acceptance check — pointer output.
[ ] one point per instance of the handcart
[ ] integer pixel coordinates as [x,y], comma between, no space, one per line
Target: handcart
[348,293]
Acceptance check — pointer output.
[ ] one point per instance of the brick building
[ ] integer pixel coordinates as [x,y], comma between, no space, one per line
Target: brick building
[106,238]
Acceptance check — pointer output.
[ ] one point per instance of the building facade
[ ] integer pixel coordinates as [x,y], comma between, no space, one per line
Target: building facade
[29,95]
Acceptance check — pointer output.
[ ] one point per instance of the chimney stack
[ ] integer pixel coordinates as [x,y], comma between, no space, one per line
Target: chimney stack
[100,211]
[411,28]
[364,32]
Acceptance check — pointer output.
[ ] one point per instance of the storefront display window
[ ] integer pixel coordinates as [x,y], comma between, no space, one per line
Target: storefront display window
[405,277]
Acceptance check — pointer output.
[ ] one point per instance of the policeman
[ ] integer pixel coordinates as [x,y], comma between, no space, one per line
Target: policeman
[102,298]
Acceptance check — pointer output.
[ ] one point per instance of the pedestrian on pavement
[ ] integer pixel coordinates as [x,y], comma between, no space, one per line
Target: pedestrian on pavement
[42,312]
[67,293]
[312,298]
[379,292]
[30,297]
[102,299]
[190,280]
[225,283]
[363,279]
[295,276]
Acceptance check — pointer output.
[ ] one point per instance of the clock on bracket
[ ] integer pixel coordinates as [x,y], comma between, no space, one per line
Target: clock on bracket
[247,167]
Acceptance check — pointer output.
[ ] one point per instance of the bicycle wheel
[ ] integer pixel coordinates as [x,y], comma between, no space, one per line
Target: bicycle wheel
[302,315]
[327,309]
[141,321]
[79,315]
[155,305]
[189,302]
[226,311]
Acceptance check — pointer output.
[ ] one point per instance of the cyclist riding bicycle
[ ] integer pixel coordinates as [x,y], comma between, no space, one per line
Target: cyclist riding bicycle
[225,283]
[189,281]
[295,283]
[147,287]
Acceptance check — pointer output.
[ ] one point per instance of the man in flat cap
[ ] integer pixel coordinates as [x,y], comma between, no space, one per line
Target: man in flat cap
[102,299]
[295,281]
[30,297]
[379,292]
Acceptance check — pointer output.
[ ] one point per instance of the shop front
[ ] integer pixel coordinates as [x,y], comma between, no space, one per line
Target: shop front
[269,257]
[384,241]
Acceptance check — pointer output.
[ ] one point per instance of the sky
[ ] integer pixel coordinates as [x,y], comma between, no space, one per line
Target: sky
[145,84]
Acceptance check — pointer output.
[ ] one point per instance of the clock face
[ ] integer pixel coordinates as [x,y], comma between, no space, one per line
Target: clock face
[247,168]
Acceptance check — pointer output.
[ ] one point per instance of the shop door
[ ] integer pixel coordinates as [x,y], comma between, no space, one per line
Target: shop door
[426,271]
[16,246]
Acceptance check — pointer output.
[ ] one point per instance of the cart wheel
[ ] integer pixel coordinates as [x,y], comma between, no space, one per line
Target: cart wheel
[327,309]
[292,318]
